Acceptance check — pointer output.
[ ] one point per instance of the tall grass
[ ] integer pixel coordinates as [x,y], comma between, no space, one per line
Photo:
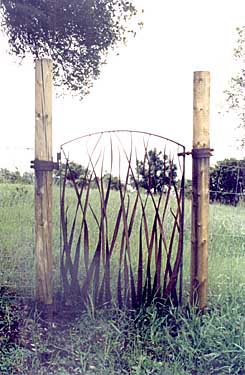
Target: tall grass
[17,237]
[226,239]
[176,342]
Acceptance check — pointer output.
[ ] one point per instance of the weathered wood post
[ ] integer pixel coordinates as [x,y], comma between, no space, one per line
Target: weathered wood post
[43,181]
[200,189]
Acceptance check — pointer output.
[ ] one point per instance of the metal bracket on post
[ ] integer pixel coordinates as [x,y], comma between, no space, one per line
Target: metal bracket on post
[198,153]
[46,165]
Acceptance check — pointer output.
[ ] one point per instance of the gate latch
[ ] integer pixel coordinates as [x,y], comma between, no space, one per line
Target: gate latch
[46,165]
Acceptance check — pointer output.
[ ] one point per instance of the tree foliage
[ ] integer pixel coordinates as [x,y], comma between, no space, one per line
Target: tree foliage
[236,91]
[154,172]
[74,173]
[82,176]
[113,181]
[227,181]
[7,176]
[76,34]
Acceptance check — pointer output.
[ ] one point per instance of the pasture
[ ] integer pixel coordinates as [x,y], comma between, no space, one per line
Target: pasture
[113,341]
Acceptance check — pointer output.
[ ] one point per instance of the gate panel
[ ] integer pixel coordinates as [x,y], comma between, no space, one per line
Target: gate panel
[122,219]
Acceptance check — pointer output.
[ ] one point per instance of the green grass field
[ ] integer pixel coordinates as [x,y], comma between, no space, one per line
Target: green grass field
[114,341]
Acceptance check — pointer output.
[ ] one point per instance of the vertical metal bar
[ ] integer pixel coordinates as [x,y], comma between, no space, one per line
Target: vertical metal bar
[182,230]
[61,242]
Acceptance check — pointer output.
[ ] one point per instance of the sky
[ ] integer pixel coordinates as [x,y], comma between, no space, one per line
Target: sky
[147,87]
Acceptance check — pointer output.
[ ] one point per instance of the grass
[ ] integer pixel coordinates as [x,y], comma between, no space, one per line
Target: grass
[116,342]
[112,341]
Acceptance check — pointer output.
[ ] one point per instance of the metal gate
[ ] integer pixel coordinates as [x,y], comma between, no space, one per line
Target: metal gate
[122,219]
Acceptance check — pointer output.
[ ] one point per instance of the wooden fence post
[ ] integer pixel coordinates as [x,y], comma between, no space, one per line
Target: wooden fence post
[43,181]
[200,190]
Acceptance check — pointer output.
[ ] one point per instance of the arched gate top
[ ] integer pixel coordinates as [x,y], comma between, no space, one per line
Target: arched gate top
[123,131]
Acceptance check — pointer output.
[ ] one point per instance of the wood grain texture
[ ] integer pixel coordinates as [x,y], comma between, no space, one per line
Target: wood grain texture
[200,191]
[43,181]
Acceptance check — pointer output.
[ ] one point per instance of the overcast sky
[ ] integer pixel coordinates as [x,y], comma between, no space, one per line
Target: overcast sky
[147,87]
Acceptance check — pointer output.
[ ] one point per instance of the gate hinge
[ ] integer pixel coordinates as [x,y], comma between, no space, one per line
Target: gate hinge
[198,153]
[46,165]
[184,153]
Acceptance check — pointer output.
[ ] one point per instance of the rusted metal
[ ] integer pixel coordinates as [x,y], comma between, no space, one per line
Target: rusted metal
[124,131]
[200,153]
[46,165]
[185,153]
[182,230]
[152,236]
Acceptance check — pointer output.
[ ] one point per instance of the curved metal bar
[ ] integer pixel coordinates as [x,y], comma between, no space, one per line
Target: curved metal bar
[122,131]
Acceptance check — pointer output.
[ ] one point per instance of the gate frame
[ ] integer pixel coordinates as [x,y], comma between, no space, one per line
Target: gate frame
[182,186]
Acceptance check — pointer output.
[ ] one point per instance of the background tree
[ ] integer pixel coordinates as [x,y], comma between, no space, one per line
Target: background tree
[114,181]
[75,172]
[188,188]
[15,177]
[236,92]
[154,172]
[227,181]
[28,177]
[76,34]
